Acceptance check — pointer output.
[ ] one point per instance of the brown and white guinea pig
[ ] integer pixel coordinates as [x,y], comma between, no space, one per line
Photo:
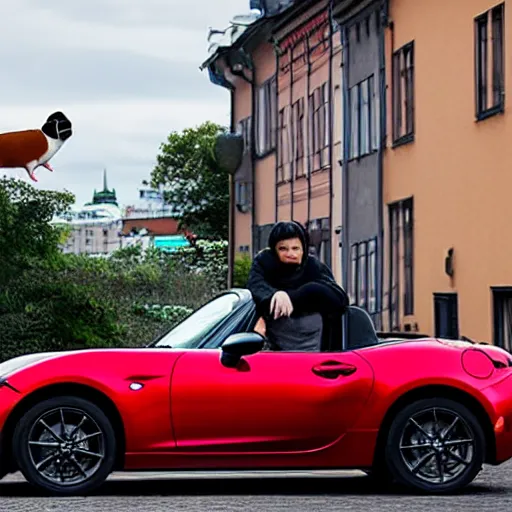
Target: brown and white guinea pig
[29,149]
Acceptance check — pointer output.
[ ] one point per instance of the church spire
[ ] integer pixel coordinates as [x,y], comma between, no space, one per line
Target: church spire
[106,196]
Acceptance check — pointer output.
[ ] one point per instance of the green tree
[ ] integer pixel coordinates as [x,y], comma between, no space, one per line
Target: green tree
[26,235]
[194,184]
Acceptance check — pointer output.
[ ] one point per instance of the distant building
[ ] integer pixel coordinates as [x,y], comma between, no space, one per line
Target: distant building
[95,228]
[102,226]
[152,223]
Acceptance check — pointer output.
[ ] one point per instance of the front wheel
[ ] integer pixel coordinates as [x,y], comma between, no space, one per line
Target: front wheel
[435,445]
[65,445]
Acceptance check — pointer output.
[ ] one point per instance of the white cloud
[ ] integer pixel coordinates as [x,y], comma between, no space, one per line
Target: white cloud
[122,137]
[124,71]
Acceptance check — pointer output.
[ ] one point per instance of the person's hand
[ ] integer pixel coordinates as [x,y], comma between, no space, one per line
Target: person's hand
[281,305]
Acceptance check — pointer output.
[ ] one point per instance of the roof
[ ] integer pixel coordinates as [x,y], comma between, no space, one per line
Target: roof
[242,27]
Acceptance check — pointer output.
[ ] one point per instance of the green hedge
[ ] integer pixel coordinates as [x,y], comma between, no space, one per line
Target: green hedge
[73,302]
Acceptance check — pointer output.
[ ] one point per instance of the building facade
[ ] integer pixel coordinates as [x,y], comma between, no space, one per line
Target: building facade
[362,35]
[283,73]
[446,169]
[388,136]
[94,229]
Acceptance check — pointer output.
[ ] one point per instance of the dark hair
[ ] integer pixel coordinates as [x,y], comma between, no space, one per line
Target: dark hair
[286,230]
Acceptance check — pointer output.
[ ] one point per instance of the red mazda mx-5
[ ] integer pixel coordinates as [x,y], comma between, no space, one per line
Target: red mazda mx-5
[426,413]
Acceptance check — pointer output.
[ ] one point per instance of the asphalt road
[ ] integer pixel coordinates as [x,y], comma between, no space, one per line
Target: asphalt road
[275,492]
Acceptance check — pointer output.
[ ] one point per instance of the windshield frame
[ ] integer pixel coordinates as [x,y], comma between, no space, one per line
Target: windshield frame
[211,332]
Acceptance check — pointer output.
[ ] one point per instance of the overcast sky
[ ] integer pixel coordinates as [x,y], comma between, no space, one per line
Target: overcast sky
[126,72]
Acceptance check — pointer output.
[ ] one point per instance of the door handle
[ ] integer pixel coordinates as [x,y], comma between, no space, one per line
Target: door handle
[333,369]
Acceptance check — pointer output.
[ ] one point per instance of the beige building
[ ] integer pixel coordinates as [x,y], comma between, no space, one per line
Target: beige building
[447,168]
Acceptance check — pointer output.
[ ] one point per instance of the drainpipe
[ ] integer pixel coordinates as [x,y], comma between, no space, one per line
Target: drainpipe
[292,162]
[252,135]
[278,149]
[331,123]
[231,228]
[344,168]
[308,130]
[383,124]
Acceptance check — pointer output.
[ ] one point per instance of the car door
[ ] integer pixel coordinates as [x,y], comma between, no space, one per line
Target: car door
[272,402]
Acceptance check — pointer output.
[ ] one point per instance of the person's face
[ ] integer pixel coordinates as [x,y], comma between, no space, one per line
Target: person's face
[290,251]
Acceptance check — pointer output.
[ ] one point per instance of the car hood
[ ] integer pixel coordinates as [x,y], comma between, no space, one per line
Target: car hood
[13,365]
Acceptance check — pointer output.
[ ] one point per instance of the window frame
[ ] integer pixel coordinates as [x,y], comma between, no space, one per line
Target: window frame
[357,110]
[401,261]
[485,25]
[243,187]
[403,97]
[266,117]
[364,255]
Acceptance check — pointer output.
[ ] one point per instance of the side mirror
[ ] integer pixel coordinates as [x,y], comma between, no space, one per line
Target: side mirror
[238,345]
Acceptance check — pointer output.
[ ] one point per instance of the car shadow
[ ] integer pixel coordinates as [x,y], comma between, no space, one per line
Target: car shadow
[239,486]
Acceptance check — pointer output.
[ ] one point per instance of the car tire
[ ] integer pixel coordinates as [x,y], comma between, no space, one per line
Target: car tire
[88,442]
[440,460]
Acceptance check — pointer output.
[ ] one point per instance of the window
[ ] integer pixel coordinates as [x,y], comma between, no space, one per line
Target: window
[363,275]
[489,79]
[401,233]
[319,122]
[243,191]
[298,136]
[374,117]
[354,122]
[260,237]
[364,119]
[243,187]
[266,108]
[408,233]
[403,94]
[319,231]
[244,129]
[284,145]
[502,306]
[372,273]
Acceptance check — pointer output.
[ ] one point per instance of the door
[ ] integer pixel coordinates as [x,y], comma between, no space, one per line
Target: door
[273,402]
[502,305]
[446,315]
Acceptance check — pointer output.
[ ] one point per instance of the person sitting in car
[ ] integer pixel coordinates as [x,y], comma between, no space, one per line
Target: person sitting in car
[295,294]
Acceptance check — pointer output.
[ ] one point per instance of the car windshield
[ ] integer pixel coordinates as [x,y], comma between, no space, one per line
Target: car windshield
[190,332]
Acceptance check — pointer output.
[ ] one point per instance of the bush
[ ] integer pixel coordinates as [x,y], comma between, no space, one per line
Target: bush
[241,270]
[75,301]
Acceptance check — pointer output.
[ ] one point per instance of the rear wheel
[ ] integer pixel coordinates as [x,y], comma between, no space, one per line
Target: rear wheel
[435,445]
[65,445]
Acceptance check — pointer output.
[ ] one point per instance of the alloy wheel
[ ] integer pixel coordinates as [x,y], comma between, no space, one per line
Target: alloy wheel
[66,446]
[437,445]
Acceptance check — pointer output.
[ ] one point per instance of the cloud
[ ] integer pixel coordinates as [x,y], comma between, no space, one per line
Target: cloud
[195,15]
[123,137]
[126,72]
[91,75]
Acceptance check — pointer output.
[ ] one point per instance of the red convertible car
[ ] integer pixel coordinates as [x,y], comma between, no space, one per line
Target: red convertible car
[207,395]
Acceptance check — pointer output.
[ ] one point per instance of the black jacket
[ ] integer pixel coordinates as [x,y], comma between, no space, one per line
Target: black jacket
[268,275]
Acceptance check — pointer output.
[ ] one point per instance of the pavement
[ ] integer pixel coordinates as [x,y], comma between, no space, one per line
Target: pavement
[314,491]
